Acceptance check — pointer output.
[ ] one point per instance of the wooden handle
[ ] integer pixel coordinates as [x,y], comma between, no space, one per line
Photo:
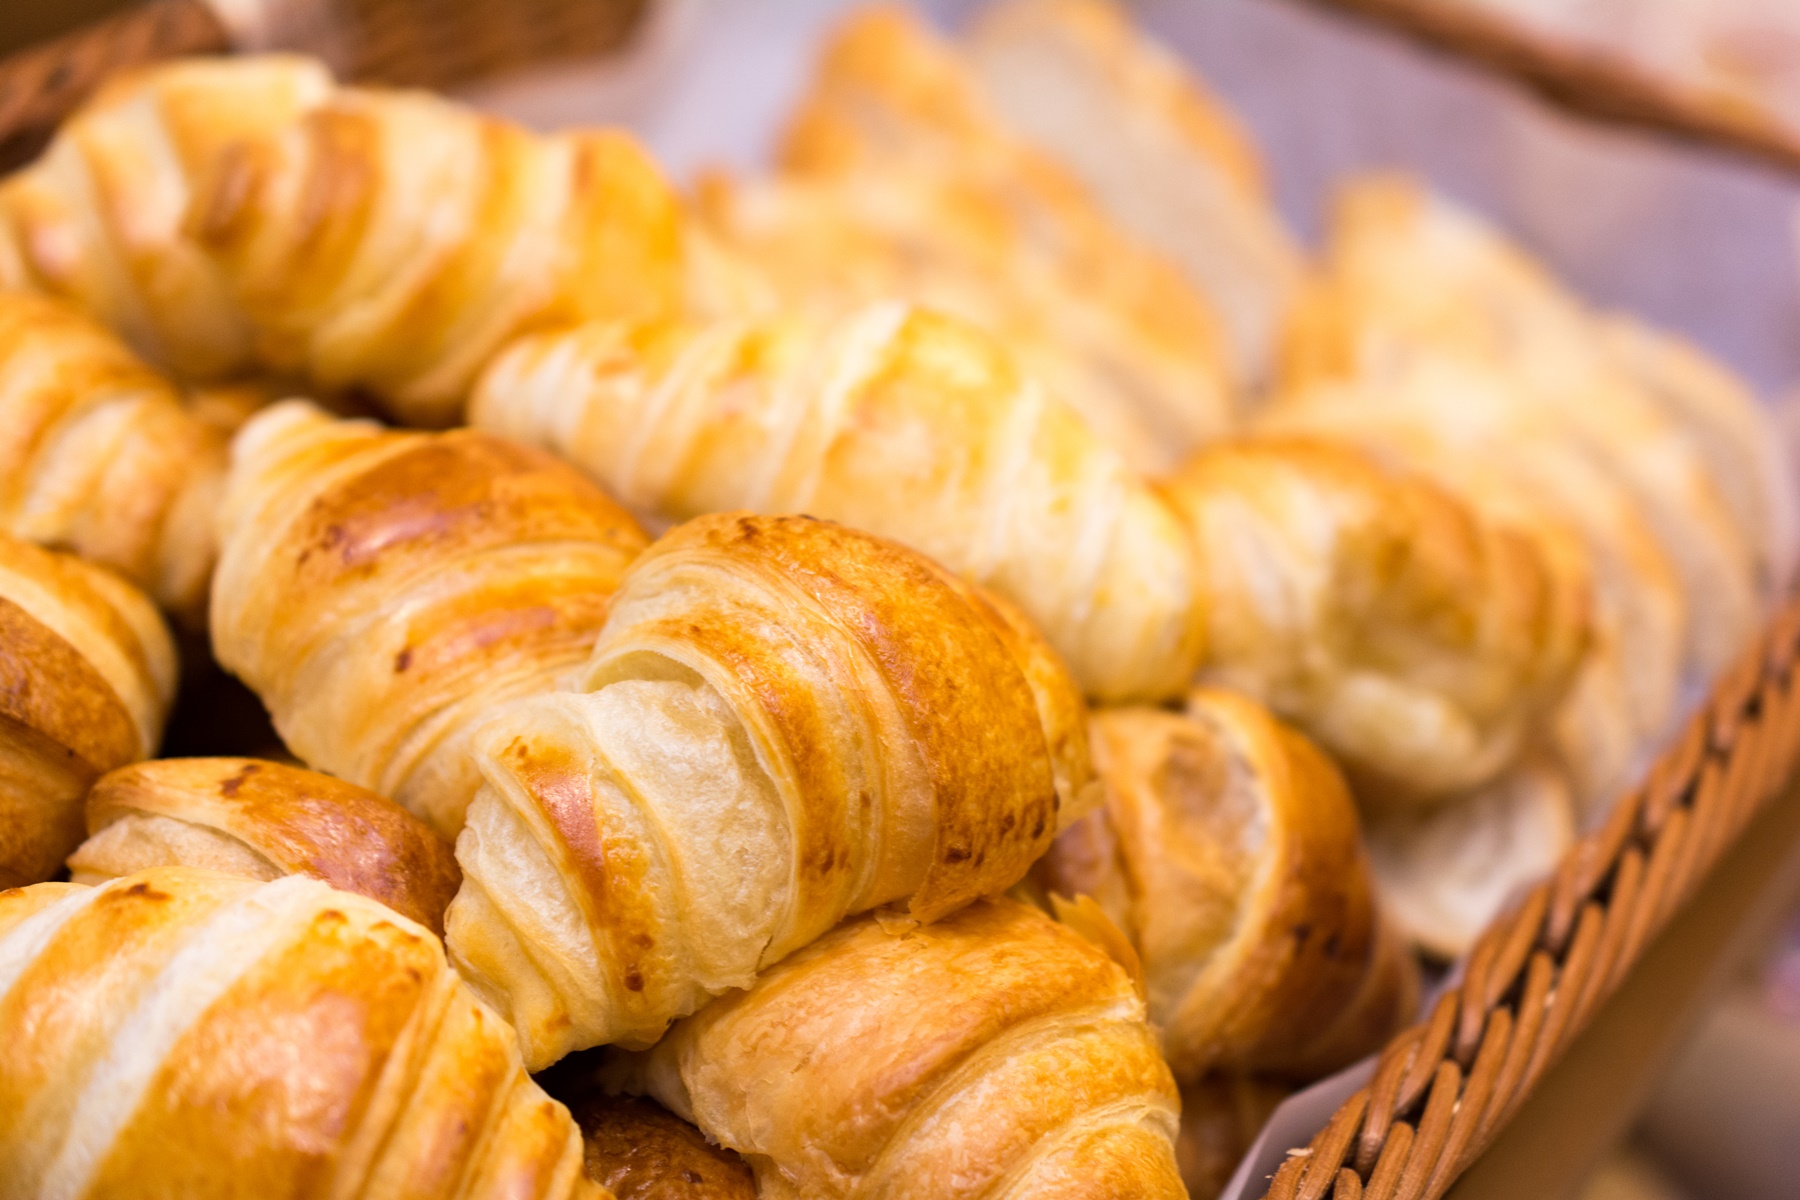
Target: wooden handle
[42,85]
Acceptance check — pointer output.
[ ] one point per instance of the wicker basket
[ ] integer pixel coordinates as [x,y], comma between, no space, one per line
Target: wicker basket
[1579,79]
[1443,1090]
[410,43]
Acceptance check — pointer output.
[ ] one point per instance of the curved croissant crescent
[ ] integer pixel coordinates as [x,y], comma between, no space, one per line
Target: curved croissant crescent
[1412,277]
[98,218]
[99,455]
[263,820]
[994,1054]
[1415,640]
[391,241]
[87,671]
[1471,432]
[915,426]
[382,591]
[784,722]
[186,1033]
[1228,850]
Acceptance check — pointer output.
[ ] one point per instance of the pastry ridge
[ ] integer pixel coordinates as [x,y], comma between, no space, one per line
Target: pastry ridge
[87,673]
[784,722]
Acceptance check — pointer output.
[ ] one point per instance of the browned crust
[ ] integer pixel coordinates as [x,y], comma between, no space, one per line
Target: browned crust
[48,686]
[968,705]
[304,822]
[1316,978]
[842,1056]
[1584,80]
[453,493]
[641,1151]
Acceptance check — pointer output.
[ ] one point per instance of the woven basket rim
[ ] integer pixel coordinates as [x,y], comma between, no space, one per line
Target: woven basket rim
[1583,80]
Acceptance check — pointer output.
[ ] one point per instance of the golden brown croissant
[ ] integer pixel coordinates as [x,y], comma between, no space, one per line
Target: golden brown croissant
[1410,278]
[1229,853]
[98,218]
[1081,81]
[1418,642]
[382,591]
[264,820]
[391,241]
[910,424]
[784,723]
[180,1032]
[638,1150]
[99,455]
[993,1054]
[87,671]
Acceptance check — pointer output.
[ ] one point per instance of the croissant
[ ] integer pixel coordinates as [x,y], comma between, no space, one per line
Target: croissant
[1417,642]
[263,820]
[99,455]
[784,722]
[1228,851]
[1446,874]
[1120,339]
[391,241]
[180,1032]
[1467,427]
[901,181]
[1080,81]
[993,1054]
[98,218]
[1411,277]
[87,671]
[910,424]
[383,591]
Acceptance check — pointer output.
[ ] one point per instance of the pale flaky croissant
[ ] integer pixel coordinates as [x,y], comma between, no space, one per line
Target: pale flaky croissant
[180,1032]
[382,591]
[1133,351]
[98,219]
[1446,874]
[913,425]
[1228,851]
[263,820]
[1086,84]
[1468,428]
[101,456]
[993,1054]
[784,722]
[1418,642]
[87,671]
[900,179]
[390,241]
[1411,278]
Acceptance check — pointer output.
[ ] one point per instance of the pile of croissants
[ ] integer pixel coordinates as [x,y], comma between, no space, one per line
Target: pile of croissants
[784,849]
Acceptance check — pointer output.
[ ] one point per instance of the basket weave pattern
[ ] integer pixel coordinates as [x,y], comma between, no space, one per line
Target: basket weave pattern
[1444,1089]
[41,86]
[1590,83]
